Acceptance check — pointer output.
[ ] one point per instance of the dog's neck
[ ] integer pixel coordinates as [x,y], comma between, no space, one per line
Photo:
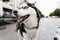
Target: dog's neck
[31,22]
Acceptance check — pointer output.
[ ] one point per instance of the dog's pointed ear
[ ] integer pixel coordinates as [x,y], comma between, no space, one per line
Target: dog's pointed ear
[38,14]
[31,4]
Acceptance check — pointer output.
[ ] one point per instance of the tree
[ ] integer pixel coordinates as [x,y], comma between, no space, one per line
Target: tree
[51,14]
[55,13]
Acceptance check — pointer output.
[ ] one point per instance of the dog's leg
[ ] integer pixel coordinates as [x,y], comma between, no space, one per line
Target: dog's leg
[19,35]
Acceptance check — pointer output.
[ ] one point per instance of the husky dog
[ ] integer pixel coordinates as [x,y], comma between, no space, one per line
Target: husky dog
[27,22]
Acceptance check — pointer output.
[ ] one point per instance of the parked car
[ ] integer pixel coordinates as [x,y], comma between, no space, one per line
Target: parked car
[6,12]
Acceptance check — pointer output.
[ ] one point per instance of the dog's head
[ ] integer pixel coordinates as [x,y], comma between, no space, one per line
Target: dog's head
[24,11]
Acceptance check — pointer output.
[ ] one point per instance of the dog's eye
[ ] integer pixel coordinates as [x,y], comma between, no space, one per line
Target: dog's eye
[20,7]
[25,7]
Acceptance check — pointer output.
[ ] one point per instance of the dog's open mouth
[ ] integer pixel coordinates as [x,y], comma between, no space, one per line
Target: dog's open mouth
[23,18]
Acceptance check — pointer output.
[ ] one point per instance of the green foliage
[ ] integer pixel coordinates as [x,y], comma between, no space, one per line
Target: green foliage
[55,13]
[52,14]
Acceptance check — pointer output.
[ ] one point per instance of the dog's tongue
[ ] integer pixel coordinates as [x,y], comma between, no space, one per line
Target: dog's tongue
[20,20]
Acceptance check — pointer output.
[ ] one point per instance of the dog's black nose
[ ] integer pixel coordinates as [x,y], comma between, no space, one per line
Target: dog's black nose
[15,13]
[55,38]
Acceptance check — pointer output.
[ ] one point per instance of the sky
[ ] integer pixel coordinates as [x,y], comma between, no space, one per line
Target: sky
[46,6]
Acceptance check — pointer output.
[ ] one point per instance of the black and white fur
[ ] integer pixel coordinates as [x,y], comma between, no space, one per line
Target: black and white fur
[27,29]
[57,36]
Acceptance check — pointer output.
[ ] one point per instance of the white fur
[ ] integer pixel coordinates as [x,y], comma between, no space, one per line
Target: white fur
[58,34]
[32,34]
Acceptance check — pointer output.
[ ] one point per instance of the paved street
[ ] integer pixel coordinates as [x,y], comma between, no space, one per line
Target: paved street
[48,27]
[8,33]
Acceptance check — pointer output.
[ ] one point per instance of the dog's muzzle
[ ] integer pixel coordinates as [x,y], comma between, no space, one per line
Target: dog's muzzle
[55,38]
[15,12]
[23,18]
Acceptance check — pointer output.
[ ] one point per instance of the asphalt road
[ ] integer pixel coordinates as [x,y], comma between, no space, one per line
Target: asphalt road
[8,33]
[47,30]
